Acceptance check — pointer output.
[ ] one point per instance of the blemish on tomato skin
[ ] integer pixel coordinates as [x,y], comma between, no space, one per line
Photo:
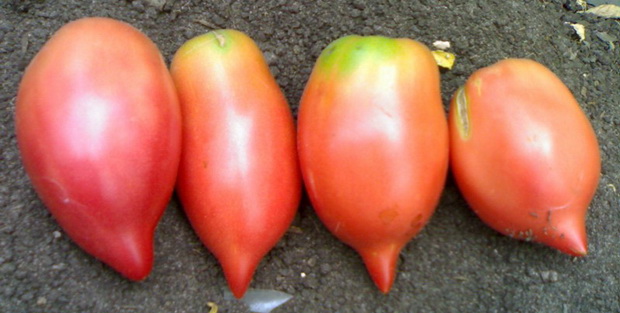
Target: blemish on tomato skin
[221,40]
[337,228]
[462,113]
[417,221]
[528,235]
[387,216]
[416,224]
[478,84]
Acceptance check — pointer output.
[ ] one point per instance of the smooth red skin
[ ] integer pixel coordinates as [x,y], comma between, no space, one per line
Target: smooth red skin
[531,165]
[98,127]
[239,180]
[374,153]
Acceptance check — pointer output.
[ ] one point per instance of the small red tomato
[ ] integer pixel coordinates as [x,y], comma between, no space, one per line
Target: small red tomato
[99,130]
[239,180]
[524,155]
[373,145]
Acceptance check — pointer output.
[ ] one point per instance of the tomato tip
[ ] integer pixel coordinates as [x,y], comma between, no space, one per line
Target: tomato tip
[135,272]
[238,271]
[381,265]
[580,249]
[574,243]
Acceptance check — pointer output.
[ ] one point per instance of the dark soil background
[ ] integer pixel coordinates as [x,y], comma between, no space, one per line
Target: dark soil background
[456,264]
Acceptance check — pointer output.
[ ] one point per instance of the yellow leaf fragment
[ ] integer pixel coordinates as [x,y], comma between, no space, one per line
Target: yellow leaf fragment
[213,307]
[609,39]
[444,59]
[605,10]
[295,229]
[582,3]
[579,29]
[612,187]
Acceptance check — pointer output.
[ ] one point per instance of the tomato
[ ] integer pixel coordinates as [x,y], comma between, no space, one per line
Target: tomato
[524,155]
[373,145]
[239,179]
[98,127]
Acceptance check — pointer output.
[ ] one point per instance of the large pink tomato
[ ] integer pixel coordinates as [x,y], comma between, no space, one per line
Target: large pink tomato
[239,181]
[99,131]
[524,154]
[373,145]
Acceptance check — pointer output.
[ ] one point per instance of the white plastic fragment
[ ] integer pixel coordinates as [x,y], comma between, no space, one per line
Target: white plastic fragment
[605,10]
[441,45]
[579,29]
[262,300]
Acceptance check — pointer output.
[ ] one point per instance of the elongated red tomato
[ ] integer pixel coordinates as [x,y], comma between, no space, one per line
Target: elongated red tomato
[98,126]
[524,155]
[239,180]
[373,145]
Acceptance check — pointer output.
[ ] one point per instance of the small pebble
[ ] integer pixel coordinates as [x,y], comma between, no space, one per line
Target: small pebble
[41,301]
[21,274]
[359,4]
[311,261]
[159,4]
[138,5]
[270,57]
[549,276]
[59,267]
[311,282]
[8,291]
[27,296]
[7,268]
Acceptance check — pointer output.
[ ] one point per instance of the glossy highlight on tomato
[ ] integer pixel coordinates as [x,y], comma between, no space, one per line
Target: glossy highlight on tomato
[373,145]
[99,131]
[524,154]
[239,179]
